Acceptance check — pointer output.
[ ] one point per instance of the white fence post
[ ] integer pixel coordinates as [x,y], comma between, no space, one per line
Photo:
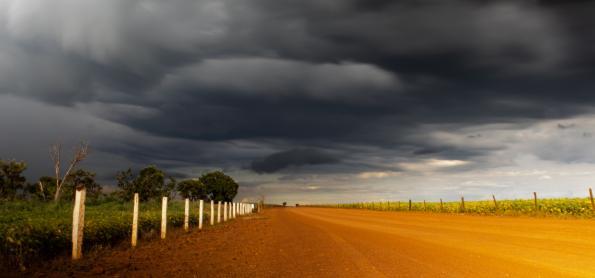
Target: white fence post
[200,209]
[212,213]
[163,217]
[218,211]
[186,213]
[78,223]
[134,221]
[224,211]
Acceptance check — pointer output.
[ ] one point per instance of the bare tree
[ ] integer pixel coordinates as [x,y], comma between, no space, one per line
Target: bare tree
[80,153]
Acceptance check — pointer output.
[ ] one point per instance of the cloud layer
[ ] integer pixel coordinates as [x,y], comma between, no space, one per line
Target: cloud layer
[304,100]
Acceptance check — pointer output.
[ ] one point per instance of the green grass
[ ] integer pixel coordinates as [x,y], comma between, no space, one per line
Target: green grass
[562,207]
[34,230]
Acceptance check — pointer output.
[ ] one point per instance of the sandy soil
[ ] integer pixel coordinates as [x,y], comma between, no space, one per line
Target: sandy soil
[316,242]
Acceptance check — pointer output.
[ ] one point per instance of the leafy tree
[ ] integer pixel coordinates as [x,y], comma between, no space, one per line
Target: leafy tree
[11,178]
[220,187]
[126,184]
[193,189]
[149,184]
[82,178]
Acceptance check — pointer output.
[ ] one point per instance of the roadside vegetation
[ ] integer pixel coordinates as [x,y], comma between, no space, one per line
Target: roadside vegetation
[36,216]
[559,207]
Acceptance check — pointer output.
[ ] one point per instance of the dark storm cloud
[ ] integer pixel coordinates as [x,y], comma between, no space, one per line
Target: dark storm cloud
[294,157]
[340,75]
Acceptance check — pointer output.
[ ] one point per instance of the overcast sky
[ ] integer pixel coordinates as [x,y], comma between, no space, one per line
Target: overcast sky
[309,101]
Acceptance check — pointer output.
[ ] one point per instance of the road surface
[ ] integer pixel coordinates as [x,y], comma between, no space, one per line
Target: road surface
[325,242]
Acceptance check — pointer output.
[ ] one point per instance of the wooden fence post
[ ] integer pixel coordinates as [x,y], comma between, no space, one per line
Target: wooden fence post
[495,202]
[212,212]
[535,200]
[462,204]
[591,196]
[409,204]
[233,212]
[134,221]
[424,205]
[163,217]
[186,214]
[218,211]
[441,206]
[78,223]
[224,211]
[200,210]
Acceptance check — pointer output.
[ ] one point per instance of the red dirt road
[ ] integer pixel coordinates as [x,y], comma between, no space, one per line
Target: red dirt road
[317,242]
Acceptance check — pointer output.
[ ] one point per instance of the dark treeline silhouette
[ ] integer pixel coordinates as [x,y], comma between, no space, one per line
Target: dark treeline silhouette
[150,182]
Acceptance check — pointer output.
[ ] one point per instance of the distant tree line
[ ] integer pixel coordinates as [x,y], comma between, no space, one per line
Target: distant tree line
[150,182]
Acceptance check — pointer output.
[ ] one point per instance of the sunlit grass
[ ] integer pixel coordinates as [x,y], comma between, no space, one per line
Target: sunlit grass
[38,230]
[563,207]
